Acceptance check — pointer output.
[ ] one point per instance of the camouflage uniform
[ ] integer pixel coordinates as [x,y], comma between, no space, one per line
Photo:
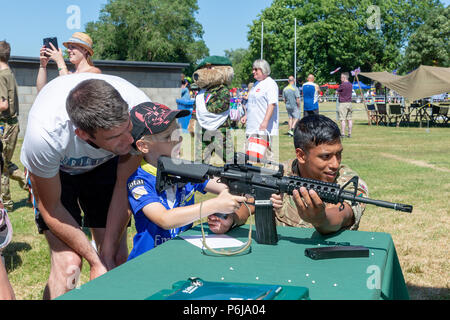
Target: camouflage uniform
[288,215]
[218,102]
[9,134]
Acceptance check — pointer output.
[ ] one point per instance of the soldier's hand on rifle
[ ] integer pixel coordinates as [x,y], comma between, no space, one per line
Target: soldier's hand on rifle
[309,206]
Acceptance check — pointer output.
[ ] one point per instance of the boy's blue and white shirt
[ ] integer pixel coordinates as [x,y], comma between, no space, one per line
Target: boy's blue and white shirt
[141,188]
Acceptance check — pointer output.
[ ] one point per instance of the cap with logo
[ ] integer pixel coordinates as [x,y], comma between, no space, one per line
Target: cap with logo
[151,118]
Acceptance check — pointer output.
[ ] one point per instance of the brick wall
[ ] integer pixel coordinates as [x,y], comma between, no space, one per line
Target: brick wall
[159,80]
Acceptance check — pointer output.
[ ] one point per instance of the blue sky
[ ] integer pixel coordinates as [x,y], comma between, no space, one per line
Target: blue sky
[28,21]
[24,23]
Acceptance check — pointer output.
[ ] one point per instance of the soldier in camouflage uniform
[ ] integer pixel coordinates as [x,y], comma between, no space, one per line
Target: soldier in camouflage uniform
[288,215]
[318,150]
[318,156]
[9,125]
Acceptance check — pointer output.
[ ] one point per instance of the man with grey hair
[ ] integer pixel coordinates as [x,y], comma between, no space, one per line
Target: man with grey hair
[77,127]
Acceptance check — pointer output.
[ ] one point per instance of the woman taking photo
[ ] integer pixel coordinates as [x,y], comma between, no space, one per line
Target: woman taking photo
[79,48]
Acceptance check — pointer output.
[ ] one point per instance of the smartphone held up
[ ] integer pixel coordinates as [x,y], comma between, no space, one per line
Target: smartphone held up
[52,40]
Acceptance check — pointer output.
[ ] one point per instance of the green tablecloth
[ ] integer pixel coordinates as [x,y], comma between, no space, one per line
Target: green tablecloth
[378,276]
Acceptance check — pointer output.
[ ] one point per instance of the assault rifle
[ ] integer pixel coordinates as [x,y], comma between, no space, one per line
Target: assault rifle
[243,178]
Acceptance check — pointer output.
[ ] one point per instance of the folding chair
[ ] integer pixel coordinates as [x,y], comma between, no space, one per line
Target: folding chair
[382,115]
[434,113]
[423,115]
[395,114]
[372,114]
[442,116]
[414,111]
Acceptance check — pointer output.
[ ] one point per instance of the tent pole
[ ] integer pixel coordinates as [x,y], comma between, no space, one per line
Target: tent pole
[364,100]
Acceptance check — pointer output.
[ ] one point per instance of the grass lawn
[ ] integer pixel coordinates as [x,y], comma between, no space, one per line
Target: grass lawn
[409,165]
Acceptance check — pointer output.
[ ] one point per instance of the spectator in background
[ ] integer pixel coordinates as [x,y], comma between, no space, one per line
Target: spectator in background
[9,125]
[261,118]
[6,291]
[345,104]
[291,97]
[262,105]
[310,97]
[185,95]
[79,47]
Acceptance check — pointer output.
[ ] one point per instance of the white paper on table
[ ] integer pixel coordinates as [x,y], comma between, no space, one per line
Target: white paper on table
[214,241]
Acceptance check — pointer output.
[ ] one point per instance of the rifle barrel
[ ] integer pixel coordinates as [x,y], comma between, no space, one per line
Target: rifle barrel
[379,203]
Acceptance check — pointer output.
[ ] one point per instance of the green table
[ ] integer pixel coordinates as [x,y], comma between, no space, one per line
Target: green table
[378,276]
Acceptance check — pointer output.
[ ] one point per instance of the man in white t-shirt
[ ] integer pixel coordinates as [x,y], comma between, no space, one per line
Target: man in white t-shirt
[77,127]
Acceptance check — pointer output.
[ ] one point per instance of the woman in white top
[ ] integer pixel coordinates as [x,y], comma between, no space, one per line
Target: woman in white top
[79,47]
[262,105]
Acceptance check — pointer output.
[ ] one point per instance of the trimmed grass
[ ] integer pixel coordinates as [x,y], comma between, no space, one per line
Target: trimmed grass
[409,165]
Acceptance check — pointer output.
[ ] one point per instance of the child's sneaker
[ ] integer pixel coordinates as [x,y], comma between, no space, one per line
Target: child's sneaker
[5,229]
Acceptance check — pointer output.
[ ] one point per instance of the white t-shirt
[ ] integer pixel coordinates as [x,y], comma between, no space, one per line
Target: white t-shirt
[50,142]
[208,120]
[263,93]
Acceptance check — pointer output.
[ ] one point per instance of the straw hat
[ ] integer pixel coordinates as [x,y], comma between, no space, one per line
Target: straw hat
[81,39]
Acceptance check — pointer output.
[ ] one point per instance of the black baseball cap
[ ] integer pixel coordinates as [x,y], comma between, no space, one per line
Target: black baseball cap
[152,118]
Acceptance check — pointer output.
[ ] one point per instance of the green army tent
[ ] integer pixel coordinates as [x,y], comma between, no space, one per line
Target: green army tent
[423,82]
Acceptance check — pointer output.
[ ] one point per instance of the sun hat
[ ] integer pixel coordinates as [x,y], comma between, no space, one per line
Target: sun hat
[5,229]
[81,39]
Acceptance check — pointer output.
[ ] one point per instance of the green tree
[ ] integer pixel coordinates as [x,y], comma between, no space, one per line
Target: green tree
[148,30]
[238,59]
[336,33]
[430,44]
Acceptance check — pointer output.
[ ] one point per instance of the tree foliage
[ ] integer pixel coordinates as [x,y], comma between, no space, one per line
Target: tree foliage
[148,30]
[430,44]
[238,59]
[335,33]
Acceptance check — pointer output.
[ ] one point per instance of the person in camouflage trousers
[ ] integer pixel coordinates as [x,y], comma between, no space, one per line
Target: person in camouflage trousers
[9,125]
[212,109]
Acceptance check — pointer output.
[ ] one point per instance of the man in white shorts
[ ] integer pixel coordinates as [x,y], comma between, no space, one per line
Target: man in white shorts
[345,104]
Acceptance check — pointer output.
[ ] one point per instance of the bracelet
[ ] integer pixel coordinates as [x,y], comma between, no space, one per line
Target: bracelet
[59,69]
[43,67]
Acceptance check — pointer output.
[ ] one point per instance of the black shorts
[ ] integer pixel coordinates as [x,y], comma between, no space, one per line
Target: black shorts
[90,192]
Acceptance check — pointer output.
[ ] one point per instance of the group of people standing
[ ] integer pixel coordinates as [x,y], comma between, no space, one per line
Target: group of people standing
[311,90]
[91,149]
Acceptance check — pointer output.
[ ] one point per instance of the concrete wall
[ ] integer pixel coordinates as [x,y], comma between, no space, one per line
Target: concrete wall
[159,80]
